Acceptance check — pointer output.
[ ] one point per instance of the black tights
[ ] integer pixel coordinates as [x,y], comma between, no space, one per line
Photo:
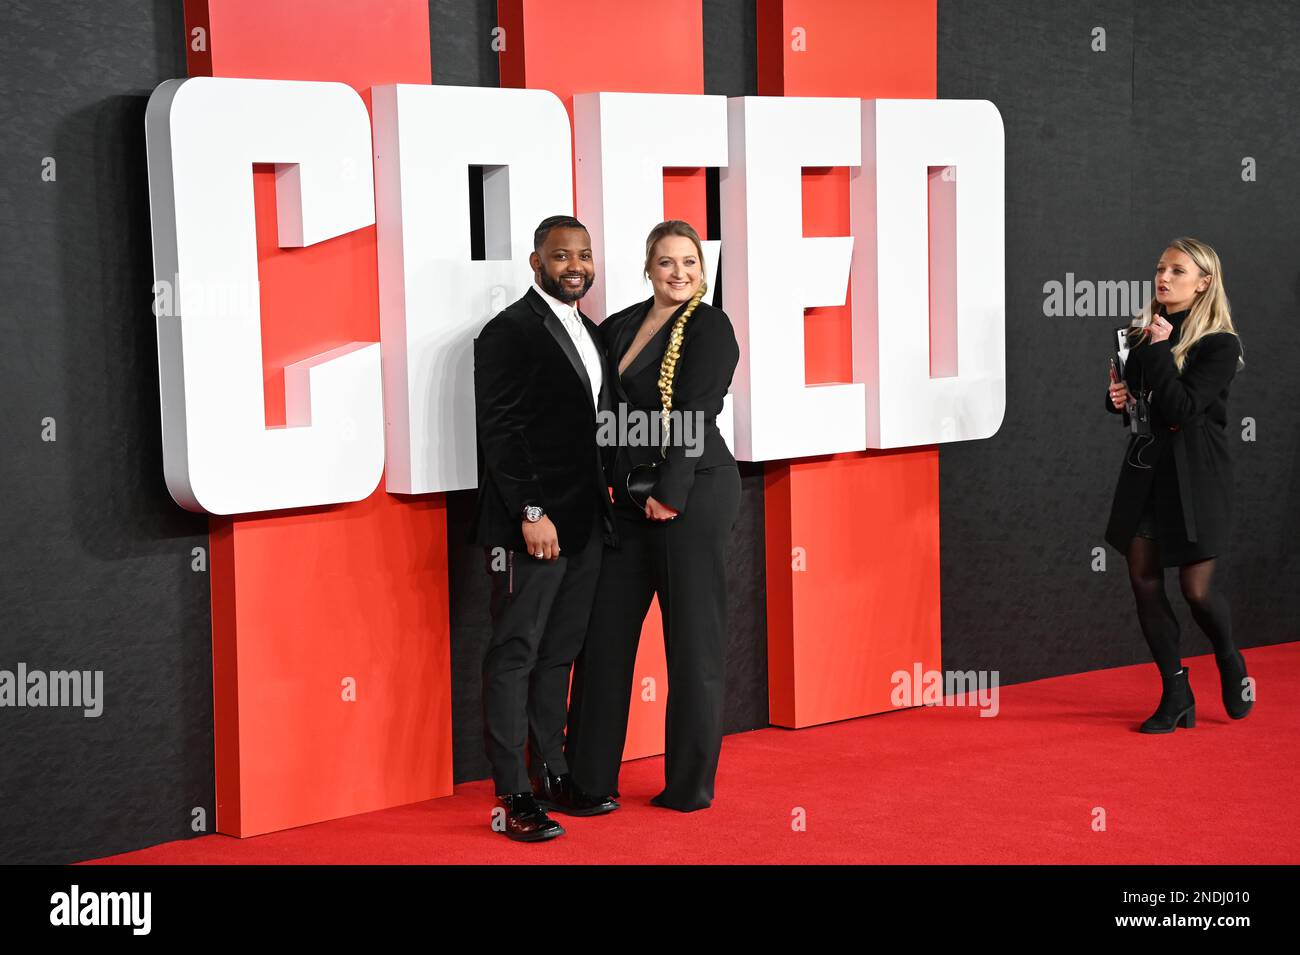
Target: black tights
[1208,604]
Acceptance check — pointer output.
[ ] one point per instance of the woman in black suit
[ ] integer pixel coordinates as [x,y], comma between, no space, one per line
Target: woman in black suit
[674,351]
[1172,505]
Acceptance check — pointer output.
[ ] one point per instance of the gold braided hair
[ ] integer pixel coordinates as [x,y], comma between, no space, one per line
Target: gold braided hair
[668,367]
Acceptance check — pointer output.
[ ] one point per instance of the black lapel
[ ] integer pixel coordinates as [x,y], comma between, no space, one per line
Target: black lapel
[557,330]
[621,342]
[630,324]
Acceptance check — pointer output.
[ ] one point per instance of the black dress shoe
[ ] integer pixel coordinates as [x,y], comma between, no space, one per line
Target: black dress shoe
[1232,674]
[561,794]
[1177,706]
[525,821]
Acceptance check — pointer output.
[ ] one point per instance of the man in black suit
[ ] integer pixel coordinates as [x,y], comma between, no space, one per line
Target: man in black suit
[543,517]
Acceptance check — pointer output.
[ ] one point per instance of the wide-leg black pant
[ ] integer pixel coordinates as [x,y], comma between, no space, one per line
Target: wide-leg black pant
[539,619]
[683,561]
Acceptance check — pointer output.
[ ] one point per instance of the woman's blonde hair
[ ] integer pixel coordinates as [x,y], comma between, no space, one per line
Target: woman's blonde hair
[1210,312]
[672,227]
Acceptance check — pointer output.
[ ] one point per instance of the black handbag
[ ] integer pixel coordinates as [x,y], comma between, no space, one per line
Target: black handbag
[641,481]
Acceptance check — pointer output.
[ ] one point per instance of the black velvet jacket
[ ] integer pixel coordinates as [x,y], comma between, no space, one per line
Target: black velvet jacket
[709,354]
[536,429]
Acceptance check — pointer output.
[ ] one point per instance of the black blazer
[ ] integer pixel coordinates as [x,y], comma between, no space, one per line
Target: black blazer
[536,427]
[709,354]
[1191,468]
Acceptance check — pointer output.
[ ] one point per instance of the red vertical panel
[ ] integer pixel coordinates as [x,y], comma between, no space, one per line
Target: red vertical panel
[859,598]
[573,47]
[225,676]
[879,49]
[828,331]
[307,601]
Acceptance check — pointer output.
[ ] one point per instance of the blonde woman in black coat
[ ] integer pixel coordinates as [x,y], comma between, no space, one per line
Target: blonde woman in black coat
[672,350]
[1172,505]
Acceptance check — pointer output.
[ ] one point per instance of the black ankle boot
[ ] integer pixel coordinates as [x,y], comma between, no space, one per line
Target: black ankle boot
[1232,673]
[1177,706]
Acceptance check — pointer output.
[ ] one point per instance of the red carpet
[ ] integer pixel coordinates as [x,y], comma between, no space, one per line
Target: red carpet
[925,785]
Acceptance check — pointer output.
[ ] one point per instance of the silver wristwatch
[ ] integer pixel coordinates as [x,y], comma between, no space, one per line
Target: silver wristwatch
[533,514]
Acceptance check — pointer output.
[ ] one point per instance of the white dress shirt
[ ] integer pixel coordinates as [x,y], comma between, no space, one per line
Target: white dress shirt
[572,322]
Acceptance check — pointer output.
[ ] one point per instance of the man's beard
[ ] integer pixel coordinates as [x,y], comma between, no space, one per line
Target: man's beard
[555,289]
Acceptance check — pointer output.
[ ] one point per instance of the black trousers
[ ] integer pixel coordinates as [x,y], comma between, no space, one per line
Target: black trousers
[683,561]
[539,620]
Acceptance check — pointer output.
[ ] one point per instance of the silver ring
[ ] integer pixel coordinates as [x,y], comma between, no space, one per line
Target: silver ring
[540,554]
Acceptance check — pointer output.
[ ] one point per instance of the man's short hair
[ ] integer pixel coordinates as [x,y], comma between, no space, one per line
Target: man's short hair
[553,222]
